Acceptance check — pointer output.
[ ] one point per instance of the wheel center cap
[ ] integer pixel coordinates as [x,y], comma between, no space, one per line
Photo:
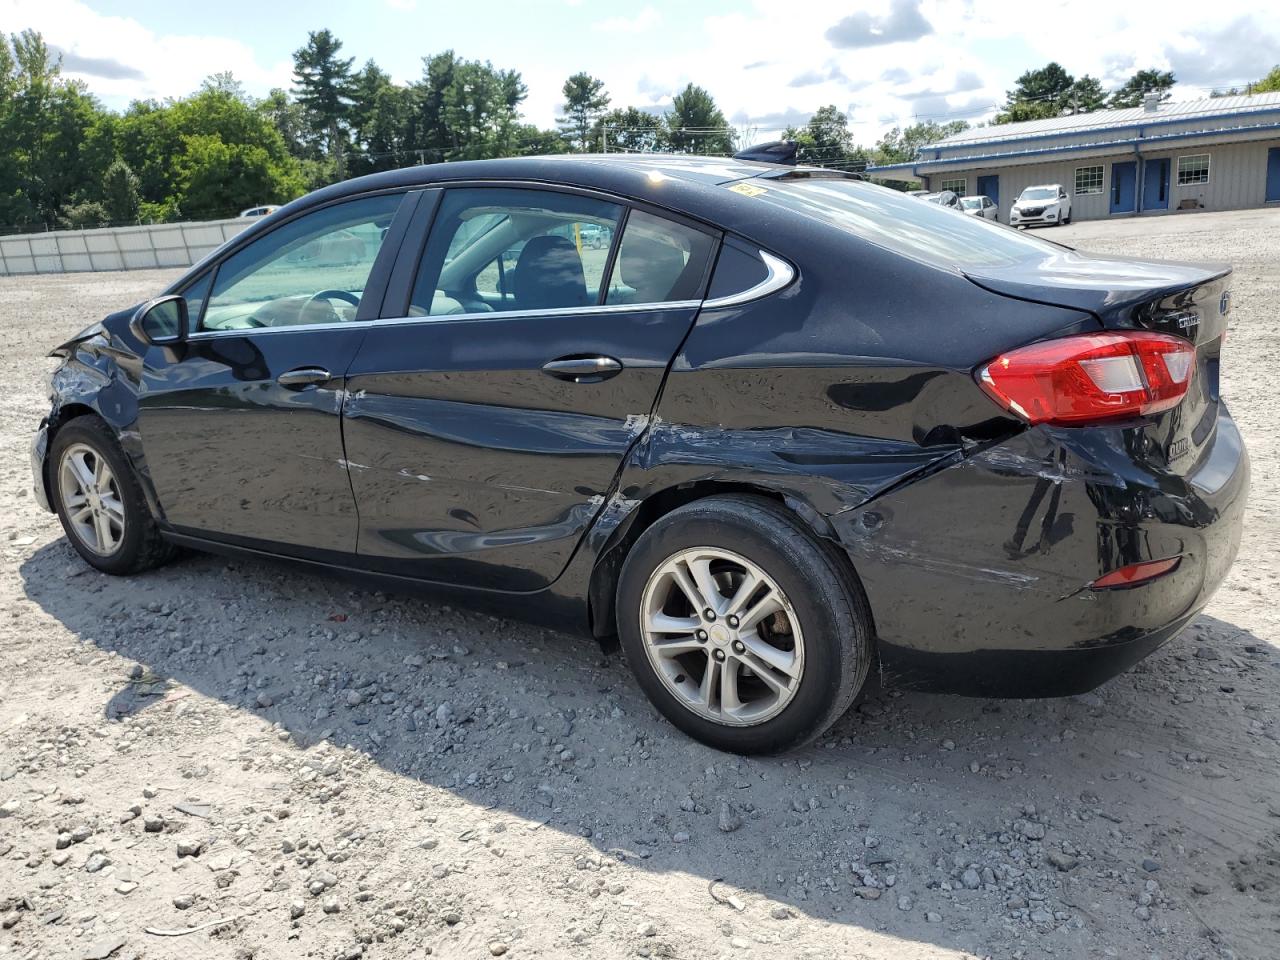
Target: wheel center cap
[719,635]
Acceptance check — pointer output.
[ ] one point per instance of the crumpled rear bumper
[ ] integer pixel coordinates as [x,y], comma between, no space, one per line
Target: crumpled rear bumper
[978,575]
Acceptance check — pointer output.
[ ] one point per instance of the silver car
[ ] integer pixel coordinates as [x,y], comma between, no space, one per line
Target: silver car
[983,207]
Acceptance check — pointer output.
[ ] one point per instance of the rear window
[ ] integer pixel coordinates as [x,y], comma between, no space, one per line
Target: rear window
[923,231]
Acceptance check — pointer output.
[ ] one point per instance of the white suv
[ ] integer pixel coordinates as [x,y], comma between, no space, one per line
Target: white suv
[1047,203]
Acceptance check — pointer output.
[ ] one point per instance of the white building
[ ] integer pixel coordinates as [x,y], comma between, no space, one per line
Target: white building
[1216,154]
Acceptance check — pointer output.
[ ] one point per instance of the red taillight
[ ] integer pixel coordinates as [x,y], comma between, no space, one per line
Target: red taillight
[1136,573]
[1091,377]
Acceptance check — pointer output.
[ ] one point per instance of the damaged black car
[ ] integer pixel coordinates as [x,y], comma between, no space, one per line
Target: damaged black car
[775,428]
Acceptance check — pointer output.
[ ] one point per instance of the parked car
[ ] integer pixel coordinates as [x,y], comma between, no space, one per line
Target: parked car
[983,207]
[339,246]
[1047,203]
[594,235]
[944,198]
[1006,470]
[261,211]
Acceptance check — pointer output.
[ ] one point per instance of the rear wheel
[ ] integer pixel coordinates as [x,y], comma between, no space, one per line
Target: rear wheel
[744,629]
[99,501]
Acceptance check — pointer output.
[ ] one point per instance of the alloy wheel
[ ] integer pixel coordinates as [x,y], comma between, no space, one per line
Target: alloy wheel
[722,636]
[91,498]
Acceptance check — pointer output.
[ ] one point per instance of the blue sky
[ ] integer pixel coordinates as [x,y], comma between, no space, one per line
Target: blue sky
[768,63]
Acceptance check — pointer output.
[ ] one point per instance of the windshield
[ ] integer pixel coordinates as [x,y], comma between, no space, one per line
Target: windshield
[1039,193]
[971,203]
[923,231]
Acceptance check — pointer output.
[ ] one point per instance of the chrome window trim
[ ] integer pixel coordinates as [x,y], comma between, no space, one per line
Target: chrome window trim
[487,315]
[780,274]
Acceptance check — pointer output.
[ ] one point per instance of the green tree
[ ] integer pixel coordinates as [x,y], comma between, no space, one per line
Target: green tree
[216,178]
[903,145]
[1086,95]
[826,140]
[290,120]
[1045,92]
[1268,84]
[464,109]
[85,215]
[530,141]
[695,124]
[631,130]
[1136,88]
[324,86]
[120,196]
[45,120]
[585,101]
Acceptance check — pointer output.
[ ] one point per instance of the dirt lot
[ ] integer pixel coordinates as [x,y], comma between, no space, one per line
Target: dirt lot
[365,775]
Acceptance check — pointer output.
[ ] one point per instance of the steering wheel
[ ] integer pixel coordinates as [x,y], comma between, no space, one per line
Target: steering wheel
[327,295]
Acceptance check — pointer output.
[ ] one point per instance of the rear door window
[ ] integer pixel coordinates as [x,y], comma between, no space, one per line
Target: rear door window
[659,261]
[499,250]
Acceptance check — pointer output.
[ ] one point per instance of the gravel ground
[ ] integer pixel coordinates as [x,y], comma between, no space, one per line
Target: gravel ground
[275,766]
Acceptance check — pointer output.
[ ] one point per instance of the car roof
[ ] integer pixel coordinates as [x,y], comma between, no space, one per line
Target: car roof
[691,185]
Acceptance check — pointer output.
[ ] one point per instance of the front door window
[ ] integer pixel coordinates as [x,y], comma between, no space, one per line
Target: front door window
[312,270]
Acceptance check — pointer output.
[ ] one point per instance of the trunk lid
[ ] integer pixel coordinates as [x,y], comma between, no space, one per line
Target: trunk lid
[1185,300]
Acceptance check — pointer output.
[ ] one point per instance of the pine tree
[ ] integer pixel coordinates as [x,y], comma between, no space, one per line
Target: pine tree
[325,89]
[585,101]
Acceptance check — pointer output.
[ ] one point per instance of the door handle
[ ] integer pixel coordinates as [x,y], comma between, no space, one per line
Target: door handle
[583,369]
[303,377]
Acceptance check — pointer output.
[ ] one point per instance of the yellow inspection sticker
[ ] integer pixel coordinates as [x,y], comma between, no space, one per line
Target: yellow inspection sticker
[748,189]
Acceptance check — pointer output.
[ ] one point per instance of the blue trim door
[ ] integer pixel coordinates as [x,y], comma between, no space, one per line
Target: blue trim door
[1155,186]
[1124,183]
[989,186]
[1273,174]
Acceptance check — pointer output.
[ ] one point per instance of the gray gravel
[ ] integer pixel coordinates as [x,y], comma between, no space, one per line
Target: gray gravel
[293,767]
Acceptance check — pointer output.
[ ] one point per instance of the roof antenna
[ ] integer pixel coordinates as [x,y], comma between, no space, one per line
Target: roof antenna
[775,151]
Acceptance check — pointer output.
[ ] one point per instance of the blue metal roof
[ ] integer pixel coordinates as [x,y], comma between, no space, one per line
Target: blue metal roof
[975,160]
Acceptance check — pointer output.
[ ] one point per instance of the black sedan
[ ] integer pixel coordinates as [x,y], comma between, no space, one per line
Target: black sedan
[783,429]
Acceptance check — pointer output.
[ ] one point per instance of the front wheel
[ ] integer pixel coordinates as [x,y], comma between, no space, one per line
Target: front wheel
[99,501]
[744,629]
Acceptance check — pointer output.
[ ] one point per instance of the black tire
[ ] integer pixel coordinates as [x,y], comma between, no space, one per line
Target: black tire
[141,545]
[823,592]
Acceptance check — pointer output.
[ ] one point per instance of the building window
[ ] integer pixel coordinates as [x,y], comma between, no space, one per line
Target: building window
[958,187]
[1193,169]
[1088,180]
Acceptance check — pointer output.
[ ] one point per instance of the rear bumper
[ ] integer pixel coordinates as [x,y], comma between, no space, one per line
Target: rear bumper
[978,575]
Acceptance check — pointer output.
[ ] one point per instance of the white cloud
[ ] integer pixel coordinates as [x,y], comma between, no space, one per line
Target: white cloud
[122,60]
[767,66]
[765,63]
[646,19]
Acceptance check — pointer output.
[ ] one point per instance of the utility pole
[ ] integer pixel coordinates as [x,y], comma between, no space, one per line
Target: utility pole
[604,138]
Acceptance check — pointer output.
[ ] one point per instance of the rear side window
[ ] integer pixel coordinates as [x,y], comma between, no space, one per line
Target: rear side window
[659,261]
[888,218]
[738,269]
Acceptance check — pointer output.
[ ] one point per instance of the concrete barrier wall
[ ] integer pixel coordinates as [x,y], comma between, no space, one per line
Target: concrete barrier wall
[115,248]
